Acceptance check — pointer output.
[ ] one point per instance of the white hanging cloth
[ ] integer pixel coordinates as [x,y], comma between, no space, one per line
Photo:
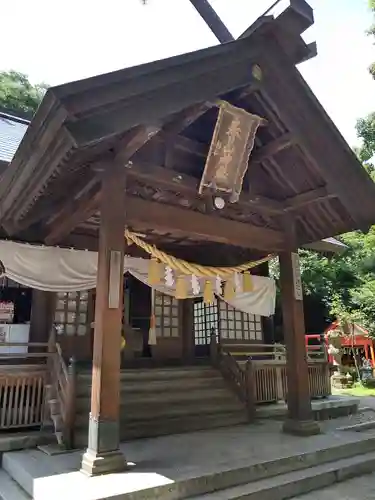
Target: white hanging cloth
[54,269]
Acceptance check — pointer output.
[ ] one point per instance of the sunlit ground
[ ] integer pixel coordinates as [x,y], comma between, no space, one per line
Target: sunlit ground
[357,390]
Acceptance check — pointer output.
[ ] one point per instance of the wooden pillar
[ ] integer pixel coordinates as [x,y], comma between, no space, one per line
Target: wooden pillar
[300,419]
[103,454]
[187,330]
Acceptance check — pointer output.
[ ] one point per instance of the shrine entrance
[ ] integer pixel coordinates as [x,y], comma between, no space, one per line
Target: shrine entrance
[206,322]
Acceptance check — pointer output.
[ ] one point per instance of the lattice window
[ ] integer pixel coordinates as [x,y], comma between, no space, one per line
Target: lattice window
[253,327]
[237,325]
[166,315]
[206,317]
[71,313]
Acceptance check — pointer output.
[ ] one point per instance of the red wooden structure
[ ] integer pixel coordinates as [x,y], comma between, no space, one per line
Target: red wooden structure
[360,340]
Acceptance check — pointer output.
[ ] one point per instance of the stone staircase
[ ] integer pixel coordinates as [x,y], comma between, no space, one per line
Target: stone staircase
[159,401]
[32,474]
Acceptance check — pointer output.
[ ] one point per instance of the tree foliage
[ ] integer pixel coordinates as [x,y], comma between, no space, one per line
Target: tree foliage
[346,283]
[18,95]
[366,126]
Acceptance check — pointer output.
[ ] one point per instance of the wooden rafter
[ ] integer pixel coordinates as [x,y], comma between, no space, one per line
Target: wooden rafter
[272,148]
[72,216]
[303,199]
[75,213]
[321,144]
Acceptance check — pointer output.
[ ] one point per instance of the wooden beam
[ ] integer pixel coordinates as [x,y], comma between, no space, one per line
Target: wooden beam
[154,175]
[186,117]
[184,143]
[201,149]
[143,215]
[73,214]
[212,20]
[183,183]
[303,199]
[270,149]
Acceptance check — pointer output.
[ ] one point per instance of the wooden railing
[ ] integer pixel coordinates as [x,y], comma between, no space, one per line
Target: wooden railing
[21,398]
[22,386]
[268,370]
[240,379]
[61,394]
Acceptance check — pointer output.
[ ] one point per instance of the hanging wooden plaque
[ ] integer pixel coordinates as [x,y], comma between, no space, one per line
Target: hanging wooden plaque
[231,145]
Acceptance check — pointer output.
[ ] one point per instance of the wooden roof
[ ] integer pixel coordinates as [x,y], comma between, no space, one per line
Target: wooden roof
[158,119]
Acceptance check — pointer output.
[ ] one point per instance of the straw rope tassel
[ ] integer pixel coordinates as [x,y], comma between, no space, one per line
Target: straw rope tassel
[154,272]
[229,292]
[181,288]
[208,293]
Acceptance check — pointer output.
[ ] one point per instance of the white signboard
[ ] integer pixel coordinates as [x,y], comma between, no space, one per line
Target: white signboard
[297,281]
[6,312]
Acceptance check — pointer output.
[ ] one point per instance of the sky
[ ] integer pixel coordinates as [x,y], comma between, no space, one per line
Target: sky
[57,42]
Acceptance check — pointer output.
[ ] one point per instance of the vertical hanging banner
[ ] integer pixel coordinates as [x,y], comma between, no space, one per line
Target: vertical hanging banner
[231,145]
[297,280]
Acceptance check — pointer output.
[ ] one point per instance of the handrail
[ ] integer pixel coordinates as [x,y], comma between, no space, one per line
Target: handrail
[257,351]
[26,354]
[241,380]
[62,393]
[24,344]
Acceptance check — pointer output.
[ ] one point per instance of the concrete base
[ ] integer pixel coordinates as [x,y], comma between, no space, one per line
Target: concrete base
[94,464]
[323,409]
[301,427]
[259,459]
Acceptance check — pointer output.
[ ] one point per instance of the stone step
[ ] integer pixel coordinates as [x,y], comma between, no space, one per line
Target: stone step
[158,386]
[311,469]
[161,427]
[295,483]
[9,489]
[23,440]
[144,400]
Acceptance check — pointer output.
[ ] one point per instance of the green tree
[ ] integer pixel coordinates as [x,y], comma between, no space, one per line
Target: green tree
[346,283]
[366,126]
[18,95]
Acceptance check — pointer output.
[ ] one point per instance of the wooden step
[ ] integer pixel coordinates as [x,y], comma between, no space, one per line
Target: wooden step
[150,413]
[171,425]
[156,386]
[160,373]
[167,397]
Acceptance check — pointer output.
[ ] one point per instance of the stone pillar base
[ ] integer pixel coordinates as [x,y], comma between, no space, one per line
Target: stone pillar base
[95,464]
[301,427]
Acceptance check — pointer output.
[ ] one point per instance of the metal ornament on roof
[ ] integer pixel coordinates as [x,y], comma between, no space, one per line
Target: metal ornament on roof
[228,157]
